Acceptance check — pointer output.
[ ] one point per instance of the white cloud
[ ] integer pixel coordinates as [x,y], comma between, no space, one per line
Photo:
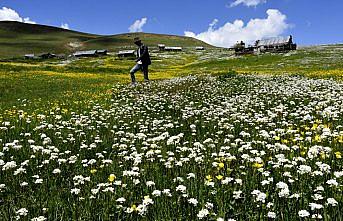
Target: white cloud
[227,35]
[7,14]
[65,26]
[138,25]
[248,3]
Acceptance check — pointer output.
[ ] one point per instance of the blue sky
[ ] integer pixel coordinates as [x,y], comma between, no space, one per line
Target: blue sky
[310,22]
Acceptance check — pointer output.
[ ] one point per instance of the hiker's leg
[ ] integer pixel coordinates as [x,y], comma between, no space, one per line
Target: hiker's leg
[146,72]
[136,68]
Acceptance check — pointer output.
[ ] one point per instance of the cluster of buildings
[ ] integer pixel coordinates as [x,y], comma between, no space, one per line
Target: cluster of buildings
[89,53]
[161,48]
[273,45]
[102,52]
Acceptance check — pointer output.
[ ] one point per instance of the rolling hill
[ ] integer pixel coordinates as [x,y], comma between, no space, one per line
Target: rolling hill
[17,39]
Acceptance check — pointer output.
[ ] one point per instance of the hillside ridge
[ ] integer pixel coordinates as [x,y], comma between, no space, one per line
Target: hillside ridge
[17,39]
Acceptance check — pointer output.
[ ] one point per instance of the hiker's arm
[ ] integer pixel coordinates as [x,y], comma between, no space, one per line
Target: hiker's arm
[144,53]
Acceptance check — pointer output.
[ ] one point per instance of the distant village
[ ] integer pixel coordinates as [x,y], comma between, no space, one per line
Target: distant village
[271,45]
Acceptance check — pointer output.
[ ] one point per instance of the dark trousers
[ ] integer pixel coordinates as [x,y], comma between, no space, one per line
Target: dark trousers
[143,68]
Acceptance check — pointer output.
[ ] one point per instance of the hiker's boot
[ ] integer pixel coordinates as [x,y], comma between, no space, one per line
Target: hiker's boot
[133,78]
[146,78]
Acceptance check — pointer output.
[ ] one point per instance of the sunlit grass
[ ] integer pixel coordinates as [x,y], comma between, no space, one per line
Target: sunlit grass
[52,79]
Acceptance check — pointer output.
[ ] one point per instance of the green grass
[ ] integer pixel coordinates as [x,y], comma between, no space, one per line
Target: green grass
[49,80]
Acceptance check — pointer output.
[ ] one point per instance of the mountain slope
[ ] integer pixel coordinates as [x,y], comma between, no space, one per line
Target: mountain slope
[20,38]
[17,39]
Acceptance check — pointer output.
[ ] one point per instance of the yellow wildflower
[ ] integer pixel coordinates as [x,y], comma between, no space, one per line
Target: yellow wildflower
[93,171]
[315,126]
[317,138]
[134,207]
[219,177]
[221,165]
[257,165]
[209,177]
[338,155]
[111,178]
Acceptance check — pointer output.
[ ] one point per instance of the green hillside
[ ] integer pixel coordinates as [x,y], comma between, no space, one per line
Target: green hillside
[125,40]
[17,39]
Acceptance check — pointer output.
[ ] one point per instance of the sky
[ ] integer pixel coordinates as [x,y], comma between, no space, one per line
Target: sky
[218,22]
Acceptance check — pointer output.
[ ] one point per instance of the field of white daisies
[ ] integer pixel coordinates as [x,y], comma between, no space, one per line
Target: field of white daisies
[238,147]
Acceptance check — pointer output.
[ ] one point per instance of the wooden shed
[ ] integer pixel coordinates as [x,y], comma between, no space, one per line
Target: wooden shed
[90,53]
[29,56]
[278,44]
[47,55]
[173,49]
[101,52]
[126,54]
[161,47]
[241,49]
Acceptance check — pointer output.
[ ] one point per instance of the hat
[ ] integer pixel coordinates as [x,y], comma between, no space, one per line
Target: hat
[136,40]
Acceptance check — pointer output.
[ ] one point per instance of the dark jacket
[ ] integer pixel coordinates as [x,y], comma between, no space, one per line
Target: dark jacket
[144,57]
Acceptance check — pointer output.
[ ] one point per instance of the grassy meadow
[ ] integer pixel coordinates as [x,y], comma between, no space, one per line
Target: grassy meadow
[72,79]
[212,137]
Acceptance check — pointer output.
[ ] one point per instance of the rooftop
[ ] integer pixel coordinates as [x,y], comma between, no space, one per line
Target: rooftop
[274,41]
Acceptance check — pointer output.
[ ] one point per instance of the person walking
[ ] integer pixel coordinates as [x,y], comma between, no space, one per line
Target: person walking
[143,61]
